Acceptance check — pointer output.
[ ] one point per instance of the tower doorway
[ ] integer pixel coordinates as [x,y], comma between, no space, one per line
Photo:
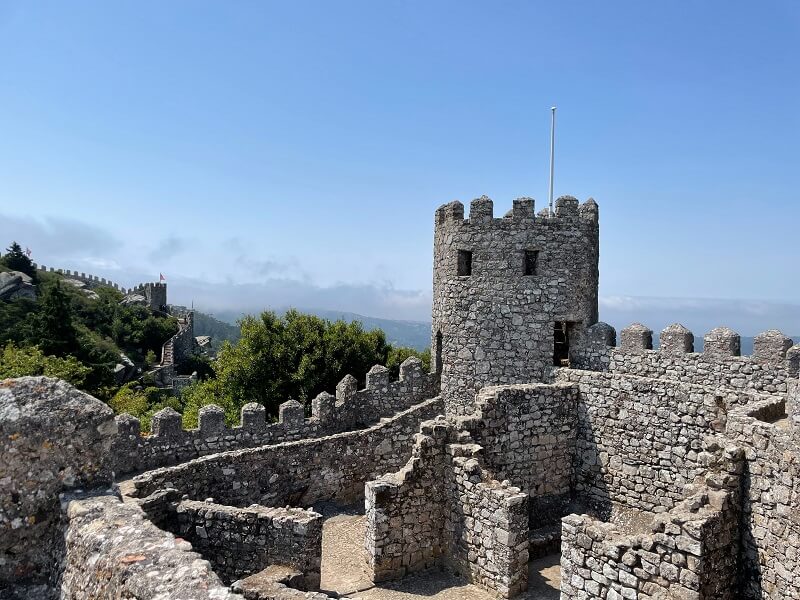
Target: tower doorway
[561,335]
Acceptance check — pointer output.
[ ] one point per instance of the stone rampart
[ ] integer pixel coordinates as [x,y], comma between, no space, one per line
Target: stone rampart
[774,360]
[240,542]
[351,408]
[113,551]
[689,552]
[92,281]
[770,523]
[639,439]
[296,473]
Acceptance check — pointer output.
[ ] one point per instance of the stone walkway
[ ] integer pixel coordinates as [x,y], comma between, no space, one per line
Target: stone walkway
[343,571]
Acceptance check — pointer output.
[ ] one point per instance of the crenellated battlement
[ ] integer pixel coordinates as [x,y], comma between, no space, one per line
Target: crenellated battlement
[351,408]
[96,281]
[481,213]
[774,361]
[89,279]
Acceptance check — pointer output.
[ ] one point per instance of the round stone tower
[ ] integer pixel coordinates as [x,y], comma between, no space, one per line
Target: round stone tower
[512,296]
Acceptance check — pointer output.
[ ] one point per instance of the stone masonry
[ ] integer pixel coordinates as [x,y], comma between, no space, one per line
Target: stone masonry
[494,315]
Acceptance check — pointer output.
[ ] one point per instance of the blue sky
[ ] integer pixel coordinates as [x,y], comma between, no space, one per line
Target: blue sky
[265,153]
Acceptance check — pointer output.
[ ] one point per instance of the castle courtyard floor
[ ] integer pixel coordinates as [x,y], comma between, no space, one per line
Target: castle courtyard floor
[343,570]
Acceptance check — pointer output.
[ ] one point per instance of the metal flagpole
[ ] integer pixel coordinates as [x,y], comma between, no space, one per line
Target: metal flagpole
[552,153]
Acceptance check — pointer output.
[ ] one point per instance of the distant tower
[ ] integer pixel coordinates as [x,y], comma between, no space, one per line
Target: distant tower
[511,296]
[156,296]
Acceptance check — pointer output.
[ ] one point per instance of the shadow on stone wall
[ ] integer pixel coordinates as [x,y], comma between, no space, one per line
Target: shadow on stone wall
[750,567]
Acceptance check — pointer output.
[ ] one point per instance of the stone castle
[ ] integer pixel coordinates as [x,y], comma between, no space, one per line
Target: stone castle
[647,474]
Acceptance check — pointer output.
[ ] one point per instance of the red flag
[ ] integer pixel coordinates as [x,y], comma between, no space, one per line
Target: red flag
[161,277]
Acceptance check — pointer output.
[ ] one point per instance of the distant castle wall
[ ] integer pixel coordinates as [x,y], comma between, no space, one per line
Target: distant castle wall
[154,292]
[92,281]
[350,409]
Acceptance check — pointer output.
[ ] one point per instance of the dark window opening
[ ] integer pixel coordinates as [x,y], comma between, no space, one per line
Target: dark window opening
[464,262]
[438,363]
[561,333]
[530,261]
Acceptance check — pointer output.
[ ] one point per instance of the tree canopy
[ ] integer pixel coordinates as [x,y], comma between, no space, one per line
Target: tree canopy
[16,260]
[291,356]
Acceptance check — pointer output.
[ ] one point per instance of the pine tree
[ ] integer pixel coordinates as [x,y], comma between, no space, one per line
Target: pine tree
[57,332]
[16,260]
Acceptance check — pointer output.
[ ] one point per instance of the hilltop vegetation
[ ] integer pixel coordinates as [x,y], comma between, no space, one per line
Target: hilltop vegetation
[66,333]
[269,359]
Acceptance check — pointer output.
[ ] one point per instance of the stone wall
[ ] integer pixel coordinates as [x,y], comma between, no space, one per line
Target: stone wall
[53,438]
[406,510]
[92,281]
[528,435]
[296,473]
[772,364]
[771,522]
[496,325]
[243,541]
[444,508]
[689,552]
[113,551]
[351,408]
[489,520]
[183,342]
[638,439]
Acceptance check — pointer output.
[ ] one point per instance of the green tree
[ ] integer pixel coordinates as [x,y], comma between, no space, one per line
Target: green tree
[20,362]
[277,358]
[16,260]
[56,330]
[142,403]
[398,355]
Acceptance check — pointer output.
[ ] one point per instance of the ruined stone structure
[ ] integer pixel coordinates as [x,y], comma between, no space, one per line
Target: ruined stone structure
[651,474]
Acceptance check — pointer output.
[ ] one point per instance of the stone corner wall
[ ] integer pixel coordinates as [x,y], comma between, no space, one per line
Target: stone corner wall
[53,438]
[528,435]
[770,542]
[240,542]
[690,552]
[444,508]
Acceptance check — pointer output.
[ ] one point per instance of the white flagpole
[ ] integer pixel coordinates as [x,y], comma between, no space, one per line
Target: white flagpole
[552,153]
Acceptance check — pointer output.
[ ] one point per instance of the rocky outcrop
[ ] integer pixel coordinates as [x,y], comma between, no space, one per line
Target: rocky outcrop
[15,284]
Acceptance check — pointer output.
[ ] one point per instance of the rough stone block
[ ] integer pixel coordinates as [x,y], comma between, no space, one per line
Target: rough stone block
[636,338]
[721,342]
[676,339]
